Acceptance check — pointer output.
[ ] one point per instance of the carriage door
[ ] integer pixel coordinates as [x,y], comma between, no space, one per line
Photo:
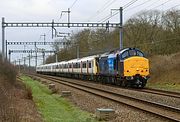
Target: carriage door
[87,66]
[81,65]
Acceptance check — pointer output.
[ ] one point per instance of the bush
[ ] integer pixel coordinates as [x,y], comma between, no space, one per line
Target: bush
[7,71]
[29,93]
[165,68]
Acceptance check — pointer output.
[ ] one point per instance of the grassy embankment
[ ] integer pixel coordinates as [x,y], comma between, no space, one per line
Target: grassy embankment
[54,108]
[165,72]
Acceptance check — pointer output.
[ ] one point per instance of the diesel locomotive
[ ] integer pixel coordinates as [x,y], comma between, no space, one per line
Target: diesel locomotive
[127,68]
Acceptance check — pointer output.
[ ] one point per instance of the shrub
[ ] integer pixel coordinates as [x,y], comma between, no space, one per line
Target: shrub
[7,71]
[29,93]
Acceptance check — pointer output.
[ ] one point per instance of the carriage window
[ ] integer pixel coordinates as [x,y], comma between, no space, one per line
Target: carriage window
[78,65]
[84,65]
[89,65]
[74,65]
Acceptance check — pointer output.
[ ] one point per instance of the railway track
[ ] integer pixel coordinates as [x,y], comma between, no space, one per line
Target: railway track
[160,92]
[168,112]
[153,91]
[147,90]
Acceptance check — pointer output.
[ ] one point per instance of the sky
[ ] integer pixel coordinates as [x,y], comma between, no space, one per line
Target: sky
[81,11]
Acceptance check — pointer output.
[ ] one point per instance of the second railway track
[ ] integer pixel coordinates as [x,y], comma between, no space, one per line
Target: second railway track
[160,92]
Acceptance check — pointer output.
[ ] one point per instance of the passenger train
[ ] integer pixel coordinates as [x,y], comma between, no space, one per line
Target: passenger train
[127,68]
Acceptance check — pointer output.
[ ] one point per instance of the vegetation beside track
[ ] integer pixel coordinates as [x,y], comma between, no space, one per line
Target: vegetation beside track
[164,86]
[53,107]
[16,103]
[7,71]
[165,70]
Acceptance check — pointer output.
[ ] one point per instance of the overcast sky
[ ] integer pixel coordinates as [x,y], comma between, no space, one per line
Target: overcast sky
[81,11]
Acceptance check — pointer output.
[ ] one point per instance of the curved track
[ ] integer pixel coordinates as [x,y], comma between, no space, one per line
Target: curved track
[162,110]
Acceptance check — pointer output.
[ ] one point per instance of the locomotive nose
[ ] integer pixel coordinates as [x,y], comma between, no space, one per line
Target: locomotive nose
[136,66]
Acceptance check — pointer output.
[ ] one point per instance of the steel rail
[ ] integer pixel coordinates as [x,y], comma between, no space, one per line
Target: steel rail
[161,92]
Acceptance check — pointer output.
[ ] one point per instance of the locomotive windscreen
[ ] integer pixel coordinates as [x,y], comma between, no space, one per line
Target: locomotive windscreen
[131,52]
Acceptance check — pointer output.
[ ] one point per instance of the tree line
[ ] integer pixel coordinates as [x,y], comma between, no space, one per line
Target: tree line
[154,32]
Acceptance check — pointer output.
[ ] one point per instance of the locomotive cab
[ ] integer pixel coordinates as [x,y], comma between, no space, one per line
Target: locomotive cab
[135,67]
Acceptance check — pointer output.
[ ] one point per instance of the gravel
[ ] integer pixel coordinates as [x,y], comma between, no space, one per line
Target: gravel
[175,102]
[124,113]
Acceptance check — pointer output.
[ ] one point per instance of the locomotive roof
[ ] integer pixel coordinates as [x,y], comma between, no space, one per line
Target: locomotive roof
[122,50]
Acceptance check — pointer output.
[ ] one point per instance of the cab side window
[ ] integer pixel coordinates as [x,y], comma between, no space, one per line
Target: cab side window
[140,53]
[125,54]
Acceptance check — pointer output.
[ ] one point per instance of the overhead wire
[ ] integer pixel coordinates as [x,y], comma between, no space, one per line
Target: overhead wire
[69,8]
[103,8]
[73,3]
[129,4]
[161,4]
[124,7]
[108,17]
[132,2]
[138,5]
[98,11]
[173,7]
[151,4]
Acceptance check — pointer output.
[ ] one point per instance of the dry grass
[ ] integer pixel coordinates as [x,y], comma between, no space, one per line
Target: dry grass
[165,68]
[16,103]
[29,93]
[7,71]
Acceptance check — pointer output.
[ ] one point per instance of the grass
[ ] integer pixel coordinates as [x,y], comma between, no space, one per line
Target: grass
[53,107]
[7,71]
[165,70]
[164,86]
